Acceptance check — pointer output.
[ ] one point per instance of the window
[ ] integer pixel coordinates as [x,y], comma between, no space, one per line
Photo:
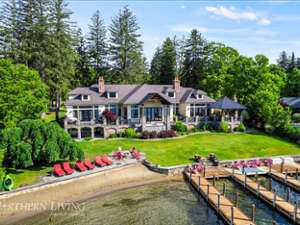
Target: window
[197,110]
[85,97]
[171,94]
[112,108]
[153,114]
[199,96]
[134,111]
[112,94]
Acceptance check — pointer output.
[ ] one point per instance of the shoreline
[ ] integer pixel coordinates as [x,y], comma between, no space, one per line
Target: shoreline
[15,207]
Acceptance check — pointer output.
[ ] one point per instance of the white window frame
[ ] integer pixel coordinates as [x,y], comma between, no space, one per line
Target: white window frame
[135,107]
[108,94]
[171,92]
[83,99]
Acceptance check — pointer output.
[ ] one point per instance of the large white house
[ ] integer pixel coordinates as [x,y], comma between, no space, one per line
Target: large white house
[142,106]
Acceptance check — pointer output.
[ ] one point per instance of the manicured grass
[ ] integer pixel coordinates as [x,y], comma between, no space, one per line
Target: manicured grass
[50,116]
[177,151]
[180,151]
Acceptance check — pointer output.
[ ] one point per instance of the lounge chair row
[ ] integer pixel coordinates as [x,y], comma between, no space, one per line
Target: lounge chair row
[65,168]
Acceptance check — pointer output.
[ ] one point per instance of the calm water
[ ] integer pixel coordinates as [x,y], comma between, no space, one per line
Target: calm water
[158,204]
[264,214]
[281,189]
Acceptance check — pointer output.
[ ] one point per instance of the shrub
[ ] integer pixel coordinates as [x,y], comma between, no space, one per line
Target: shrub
[145,134]
[296,118]
[180,127]
[130,133]
[166,133]
[109,115]
[241,127]
[224,127]
[153,134]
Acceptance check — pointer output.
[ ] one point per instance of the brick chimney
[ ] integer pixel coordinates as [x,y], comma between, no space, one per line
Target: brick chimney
[176,84]
[101,86]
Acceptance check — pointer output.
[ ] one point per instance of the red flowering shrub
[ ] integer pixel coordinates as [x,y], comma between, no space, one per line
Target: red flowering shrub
[166,133]
[109,115]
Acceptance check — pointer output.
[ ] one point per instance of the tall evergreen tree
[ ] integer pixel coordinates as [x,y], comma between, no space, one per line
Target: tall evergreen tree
[298,63]
[192,68]
[167,62]
[292,63]
[62,57]
[85,74]
[97,43]
[155,66]
[126,48]
[283,60]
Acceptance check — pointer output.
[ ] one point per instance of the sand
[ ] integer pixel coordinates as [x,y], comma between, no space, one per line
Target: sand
[18,205]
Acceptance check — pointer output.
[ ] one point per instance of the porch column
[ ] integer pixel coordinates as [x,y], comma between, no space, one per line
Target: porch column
[78,116]
[92,132]
[93,113]
[168,117]
[143,121]
[79,133]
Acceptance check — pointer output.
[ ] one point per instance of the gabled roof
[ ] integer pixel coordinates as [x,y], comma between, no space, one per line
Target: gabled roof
[293,102]
[226,103]
[153,95]
[134,94]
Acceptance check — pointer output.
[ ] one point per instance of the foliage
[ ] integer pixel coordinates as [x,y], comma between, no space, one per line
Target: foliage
[296,117]
[241,128]
[109,115]
[35,142]
[130,133]
[126,49]
[180,127]
[22,94]
[292,87]
[148,134]
[224,127]
[166,134]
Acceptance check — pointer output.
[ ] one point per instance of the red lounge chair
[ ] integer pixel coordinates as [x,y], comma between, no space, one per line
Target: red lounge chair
[67,168]
[99,162]
[107,160]
[136,154]
[57,170]
[79,165]
[88,164]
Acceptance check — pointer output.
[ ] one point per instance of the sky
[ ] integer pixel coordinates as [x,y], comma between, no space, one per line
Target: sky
[251,26]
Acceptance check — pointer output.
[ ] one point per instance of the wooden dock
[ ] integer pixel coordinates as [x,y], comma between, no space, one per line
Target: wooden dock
[289,167]
[231,214]
[285,179]
[218,172]
[269,197]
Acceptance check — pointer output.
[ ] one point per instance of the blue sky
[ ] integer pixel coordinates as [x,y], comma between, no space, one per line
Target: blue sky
[252,27]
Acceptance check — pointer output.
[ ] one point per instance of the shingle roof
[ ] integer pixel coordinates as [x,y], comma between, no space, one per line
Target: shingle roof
[134,94]
[226,103]
[293,102]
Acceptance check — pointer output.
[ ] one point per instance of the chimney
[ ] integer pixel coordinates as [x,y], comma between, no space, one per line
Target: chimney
[176,84]
[101,86]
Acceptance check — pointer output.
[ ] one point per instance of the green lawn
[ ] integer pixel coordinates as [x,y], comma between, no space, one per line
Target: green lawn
[50,116]
[180,151]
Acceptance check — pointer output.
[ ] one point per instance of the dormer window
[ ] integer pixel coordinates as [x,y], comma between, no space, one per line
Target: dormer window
[112,94]
[199,96]
[171,94]
[85,97]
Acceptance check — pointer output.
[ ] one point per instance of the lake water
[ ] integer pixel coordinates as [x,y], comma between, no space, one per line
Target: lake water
[173,203]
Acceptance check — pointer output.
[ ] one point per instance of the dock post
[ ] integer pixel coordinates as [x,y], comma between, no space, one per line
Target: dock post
[285,176]
[256,176]
[232,171]
[204,171]
[245,181]
[281,165]
[274,198]
[258,187]
[207,191]
[270,184]
[236,199]
[218,205]
[253,213]
[270,169]
[288,194]
[224,189]
[297,174]
[232,216]
[199,182]
[214,180]
[190,177]
[295,211]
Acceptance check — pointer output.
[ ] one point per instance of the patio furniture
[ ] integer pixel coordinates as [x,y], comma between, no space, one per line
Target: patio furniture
[57,170]
[80,166]
[99,162]
[67,168]
[88,164]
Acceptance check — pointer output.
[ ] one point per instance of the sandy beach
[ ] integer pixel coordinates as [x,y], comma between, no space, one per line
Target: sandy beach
[18,205]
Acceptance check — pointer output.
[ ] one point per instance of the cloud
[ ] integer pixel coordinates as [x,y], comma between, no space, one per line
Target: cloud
[233,14]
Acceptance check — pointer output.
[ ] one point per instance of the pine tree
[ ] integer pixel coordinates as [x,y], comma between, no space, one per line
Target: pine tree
[10,29]
[292,63]
[126,48]
[155,66]
[283,60]
[167,62]
[298,63]
[85,75]
[96,43]
[194,55]
[62,57]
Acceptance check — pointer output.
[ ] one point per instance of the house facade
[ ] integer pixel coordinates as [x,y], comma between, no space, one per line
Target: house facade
[143,107]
